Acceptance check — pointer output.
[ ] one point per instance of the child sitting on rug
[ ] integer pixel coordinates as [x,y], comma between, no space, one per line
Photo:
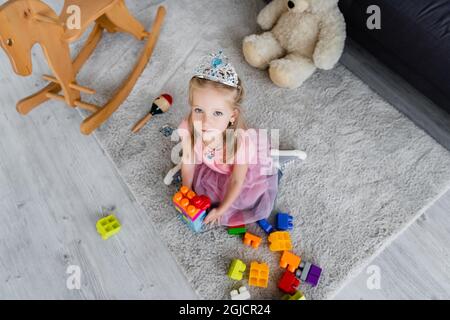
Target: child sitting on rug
[221,157]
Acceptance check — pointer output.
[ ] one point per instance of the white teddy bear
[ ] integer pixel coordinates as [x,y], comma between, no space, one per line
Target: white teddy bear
[305,35]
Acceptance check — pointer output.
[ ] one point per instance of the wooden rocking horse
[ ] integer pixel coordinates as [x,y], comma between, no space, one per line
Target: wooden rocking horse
[26,22]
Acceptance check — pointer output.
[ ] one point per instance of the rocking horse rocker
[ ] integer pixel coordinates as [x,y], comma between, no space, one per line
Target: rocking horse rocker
[26,22]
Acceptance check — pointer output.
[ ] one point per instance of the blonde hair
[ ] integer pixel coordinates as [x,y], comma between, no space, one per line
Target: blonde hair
[238,97]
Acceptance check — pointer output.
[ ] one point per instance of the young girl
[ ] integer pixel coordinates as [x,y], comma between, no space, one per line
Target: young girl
[220,159]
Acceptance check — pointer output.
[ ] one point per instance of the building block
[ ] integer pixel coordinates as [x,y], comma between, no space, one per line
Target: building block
[314,275]
[236,269]
[298,295]
[305,270]
[309,273]
[237,230]
[252,240]
[108,226]
[284,221]
[290,261]
[193,208]
[167,130]
[259,275]
[280,241]
[266,226]
[241,294]
[288,282]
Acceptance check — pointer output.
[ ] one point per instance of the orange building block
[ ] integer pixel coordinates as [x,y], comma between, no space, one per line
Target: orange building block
[290,261]
[280,241]
[259,275]
[182,200]
[252,240]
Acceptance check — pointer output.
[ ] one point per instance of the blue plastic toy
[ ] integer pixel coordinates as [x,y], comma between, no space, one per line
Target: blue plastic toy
[266,226]
[284,221]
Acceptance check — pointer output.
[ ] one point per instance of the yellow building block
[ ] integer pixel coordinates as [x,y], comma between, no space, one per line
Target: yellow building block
[108,226]
[236,270]
[280,241]
[259,275]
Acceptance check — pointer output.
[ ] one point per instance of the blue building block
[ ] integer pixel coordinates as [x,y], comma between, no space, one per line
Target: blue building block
[193,208]
[284,221]
[166,130]
[197,225]
[266,226]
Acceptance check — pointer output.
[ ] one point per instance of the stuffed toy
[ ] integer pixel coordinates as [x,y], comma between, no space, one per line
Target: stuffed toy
[302,35]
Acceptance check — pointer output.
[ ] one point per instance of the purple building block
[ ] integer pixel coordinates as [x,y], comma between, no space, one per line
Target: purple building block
[284,221]
[266,226]
[309,273]
[313,275]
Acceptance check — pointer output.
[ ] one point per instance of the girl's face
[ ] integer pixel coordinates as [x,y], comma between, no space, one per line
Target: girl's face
[212,111]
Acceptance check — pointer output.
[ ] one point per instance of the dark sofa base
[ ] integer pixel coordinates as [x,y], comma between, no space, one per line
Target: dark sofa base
[414,41]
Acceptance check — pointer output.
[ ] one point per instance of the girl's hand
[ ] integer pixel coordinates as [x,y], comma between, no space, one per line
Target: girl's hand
[213,216]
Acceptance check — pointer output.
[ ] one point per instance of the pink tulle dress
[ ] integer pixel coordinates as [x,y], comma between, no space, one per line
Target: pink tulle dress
[257,197]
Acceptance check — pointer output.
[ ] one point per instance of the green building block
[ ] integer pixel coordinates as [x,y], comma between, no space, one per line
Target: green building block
[236,270]
[108,226]
[298,295]
[237,230]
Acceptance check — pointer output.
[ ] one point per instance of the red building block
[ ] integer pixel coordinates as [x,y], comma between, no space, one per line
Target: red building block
[288,283]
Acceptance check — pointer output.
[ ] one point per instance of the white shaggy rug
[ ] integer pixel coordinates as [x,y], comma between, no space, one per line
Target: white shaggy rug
[370,171]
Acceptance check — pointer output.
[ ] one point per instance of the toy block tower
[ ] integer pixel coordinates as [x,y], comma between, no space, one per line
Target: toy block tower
[192,207]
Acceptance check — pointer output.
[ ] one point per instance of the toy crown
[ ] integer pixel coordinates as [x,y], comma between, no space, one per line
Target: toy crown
[215,67]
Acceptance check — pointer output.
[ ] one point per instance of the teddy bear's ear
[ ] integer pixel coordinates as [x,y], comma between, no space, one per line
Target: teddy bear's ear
[270,13]
[322,5]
